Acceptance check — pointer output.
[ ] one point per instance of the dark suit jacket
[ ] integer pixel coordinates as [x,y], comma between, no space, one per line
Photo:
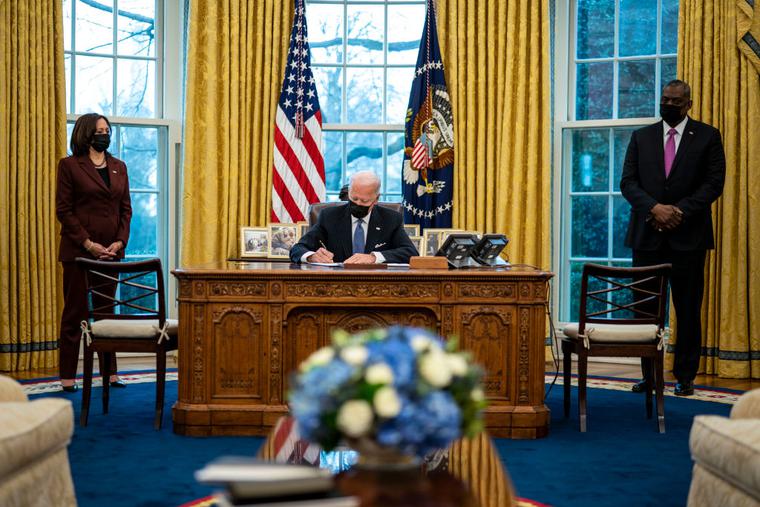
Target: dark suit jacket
[385,233]
[695,181]
[88,209]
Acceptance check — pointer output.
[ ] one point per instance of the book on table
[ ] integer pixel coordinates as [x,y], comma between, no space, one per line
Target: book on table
[250,481]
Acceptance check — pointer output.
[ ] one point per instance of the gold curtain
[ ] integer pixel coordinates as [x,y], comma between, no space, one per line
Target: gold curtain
[32,139]
[726,94]
[236,56]
[497,63]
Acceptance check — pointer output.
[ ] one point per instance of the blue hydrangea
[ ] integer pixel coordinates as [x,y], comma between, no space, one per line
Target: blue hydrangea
[399,355]
[428,419]
[316,393]
[424,425]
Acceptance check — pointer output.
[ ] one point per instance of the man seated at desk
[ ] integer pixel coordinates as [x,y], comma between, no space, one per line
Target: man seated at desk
[358,232]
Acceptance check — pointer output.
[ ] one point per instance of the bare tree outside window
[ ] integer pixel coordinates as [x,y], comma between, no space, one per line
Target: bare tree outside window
[363,59]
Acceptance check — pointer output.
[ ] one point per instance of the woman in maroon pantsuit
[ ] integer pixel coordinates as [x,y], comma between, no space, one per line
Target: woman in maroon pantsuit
[93,205]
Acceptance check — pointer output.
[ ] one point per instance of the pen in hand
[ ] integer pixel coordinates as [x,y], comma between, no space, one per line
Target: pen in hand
[327,253]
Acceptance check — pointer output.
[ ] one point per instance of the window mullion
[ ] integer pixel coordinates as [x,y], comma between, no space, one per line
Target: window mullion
[658,63]
[115,87]
[616,64]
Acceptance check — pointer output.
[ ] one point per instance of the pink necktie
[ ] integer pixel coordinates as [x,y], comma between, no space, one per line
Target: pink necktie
[670,151]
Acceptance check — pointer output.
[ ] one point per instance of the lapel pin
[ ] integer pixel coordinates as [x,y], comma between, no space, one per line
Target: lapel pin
[691,132]
[114,171]
[378,228]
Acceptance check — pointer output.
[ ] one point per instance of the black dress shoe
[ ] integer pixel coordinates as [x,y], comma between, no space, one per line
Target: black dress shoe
[639,387]
[684,388]
[70,389]
[118,384]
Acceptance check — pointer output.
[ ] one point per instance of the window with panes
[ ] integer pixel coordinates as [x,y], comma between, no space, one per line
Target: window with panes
[621,53]
[113,61]
[363,55]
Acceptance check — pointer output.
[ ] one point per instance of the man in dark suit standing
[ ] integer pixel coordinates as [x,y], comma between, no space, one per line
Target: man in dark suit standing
[358,232]
[673,171]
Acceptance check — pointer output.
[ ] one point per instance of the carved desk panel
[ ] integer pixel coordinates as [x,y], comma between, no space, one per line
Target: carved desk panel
[244,327]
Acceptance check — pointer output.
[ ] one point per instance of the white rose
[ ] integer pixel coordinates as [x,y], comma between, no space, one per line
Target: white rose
[318,358]
[355,418]
[434,368]
[420,342]
[386,402]
[457,364]
[477,394]
[379,373]
[354,355]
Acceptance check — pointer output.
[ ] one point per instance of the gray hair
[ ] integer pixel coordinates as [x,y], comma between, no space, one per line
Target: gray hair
[365,177]
[682,84]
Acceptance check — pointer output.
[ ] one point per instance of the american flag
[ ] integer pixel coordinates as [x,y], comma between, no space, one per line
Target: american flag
[289,447]
[428,166]
[298,178]
[420,156]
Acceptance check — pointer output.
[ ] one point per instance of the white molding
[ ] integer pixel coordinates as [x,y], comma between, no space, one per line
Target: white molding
[172,15]
[561,96]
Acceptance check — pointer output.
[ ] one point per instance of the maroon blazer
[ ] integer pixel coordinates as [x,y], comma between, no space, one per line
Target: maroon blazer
[88,209]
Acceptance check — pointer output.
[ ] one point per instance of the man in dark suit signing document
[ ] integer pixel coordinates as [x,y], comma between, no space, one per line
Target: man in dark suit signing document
[358,232]
[673,171]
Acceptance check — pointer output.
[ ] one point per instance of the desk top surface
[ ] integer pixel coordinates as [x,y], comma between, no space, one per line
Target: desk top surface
[277,269]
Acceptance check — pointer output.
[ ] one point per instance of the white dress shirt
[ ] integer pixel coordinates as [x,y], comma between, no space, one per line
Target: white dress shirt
[379,257]
[679,132]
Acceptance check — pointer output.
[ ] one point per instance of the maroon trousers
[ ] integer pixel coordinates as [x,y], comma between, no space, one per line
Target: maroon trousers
[74,312]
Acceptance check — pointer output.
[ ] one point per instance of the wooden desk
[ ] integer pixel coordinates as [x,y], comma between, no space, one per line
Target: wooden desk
[244,327]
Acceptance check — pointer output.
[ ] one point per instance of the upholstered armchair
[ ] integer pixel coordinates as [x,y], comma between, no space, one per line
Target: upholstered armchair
[34,460]
[726,454]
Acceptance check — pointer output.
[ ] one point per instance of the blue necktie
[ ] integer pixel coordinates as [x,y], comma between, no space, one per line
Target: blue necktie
[359,237]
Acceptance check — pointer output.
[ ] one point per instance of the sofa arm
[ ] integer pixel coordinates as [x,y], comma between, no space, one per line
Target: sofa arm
[748,406]
[10,390]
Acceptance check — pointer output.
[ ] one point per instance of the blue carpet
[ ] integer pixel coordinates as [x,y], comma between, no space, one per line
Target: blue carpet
[119,460]
[620,461]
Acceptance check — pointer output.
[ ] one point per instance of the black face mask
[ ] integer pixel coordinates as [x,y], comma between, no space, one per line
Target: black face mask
[357,210]
[671,114]
[100,142]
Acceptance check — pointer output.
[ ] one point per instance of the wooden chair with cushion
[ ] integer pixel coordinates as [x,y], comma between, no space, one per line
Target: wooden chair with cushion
[315,208]
[127,313]
[622,314]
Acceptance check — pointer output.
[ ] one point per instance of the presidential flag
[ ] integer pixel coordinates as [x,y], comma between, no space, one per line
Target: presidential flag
[298,176]
[428,171]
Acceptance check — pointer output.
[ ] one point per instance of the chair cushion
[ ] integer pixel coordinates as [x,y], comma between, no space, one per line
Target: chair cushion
[115,328]
[730,449]
[32,430]
[10,390]
[614,333]
[748,406]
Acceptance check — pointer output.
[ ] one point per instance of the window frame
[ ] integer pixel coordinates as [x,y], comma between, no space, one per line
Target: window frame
[564,122]
[348,128]
[169,17]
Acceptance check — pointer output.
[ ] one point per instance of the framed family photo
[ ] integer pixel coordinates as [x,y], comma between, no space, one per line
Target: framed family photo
[254,241]
[412,230]
[434,238]
[282,237]
[419,244]
[303,228]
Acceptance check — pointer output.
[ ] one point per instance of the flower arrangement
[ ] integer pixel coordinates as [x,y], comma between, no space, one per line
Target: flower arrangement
[400,388]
